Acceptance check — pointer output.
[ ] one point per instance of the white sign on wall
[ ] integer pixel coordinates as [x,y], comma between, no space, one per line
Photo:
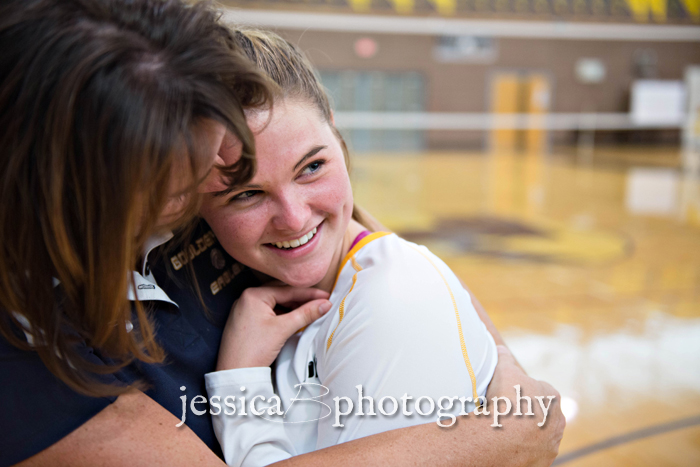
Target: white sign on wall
[465,49]
[656,102]
[652,191]
[590,70]
[692,127]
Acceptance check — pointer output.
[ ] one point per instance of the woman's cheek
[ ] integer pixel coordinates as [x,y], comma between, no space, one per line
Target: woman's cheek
[239,232]
[333,193]
[225,225]
[213,215]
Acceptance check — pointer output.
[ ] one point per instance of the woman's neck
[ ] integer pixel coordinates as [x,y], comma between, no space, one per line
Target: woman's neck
[353,230]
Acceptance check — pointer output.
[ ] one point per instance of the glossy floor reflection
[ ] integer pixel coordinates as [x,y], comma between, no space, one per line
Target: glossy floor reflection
[590,269]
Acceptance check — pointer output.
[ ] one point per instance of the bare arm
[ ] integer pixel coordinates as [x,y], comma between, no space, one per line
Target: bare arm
[487,322]
[484,317]
[470,442]
[135,431]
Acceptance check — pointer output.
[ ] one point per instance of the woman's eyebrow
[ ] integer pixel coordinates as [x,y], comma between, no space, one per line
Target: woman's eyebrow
[311,153]
[231,189]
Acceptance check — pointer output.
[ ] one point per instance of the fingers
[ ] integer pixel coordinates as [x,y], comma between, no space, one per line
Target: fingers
[503,351]
[304,315]
[506,359]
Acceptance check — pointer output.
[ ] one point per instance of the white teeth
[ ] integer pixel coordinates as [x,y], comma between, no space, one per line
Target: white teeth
[298,242]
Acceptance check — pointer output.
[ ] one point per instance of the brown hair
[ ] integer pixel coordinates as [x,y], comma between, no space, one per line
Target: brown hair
[294,75]
[99,100]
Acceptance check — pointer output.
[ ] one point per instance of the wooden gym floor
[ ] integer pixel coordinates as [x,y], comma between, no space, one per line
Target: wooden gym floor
[591,271]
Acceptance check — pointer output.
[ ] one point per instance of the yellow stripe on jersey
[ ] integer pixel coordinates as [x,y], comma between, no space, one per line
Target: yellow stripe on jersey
[459,328]
[341,309]
[356,248]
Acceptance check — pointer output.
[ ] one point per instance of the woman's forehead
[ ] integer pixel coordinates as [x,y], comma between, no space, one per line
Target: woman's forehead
[230,150]
[283,128]
[229,153]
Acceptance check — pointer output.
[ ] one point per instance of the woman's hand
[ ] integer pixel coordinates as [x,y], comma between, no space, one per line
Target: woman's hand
[254,333]
[537,446]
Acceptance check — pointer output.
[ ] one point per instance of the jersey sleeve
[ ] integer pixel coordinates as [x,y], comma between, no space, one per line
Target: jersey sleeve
[37,408]
[246,438]
[408,331]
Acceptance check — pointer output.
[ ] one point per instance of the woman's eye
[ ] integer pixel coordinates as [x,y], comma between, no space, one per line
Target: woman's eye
[313,167]
[244,196]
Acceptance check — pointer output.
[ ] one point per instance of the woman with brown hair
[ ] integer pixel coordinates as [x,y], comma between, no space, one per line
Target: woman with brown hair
[111,112]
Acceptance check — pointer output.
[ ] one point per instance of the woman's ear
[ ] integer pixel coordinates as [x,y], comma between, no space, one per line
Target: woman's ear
[332,118]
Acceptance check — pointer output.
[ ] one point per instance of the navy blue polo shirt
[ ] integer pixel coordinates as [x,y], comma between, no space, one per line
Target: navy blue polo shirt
[38,409]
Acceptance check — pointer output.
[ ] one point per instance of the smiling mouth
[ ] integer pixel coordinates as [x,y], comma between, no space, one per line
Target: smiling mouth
[297,242]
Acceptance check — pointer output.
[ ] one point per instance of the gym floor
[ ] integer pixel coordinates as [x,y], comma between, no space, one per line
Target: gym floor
[589,264]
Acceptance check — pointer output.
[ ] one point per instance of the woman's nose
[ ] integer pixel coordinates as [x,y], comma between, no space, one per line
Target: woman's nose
[292,213]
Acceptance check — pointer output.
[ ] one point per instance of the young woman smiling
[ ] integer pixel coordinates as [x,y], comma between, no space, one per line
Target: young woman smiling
[400,321]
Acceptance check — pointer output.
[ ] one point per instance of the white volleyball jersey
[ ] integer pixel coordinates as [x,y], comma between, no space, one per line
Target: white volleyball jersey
[402,327]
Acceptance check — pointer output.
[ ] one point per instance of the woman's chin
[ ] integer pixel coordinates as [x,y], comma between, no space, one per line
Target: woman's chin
[305,282]
[305,278]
